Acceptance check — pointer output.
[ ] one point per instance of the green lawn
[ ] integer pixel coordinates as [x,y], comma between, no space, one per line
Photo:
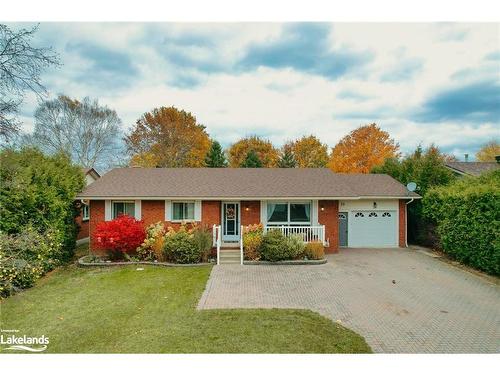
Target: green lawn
[123,310]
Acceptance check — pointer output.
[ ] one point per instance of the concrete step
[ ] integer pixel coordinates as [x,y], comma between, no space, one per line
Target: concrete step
[226,261]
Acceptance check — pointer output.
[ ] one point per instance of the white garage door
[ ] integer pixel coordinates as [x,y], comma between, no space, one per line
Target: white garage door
[375,228]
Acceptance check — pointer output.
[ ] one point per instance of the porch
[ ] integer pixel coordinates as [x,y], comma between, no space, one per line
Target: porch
[233,250]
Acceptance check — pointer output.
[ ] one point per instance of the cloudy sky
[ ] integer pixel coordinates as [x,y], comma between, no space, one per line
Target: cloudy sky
[422,83]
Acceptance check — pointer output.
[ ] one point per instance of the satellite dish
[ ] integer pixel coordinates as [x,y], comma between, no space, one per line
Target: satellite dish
[411,186]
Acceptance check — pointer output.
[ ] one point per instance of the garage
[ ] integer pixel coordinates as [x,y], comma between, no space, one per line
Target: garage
[372,228]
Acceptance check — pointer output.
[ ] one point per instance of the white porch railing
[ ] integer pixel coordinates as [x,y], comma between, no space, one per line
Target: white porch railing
[217,240]
[315,233]
[241,244]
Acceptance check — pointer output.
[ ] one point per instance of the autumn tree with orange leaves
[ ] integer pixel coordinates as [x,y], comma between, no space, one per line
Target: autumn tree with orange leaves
[363,149]
[309,152]
[266,152]
[168,137]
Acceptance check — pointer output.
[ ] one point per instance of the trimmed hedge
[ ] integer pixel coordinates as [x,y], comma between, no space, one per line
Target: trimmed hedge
[467,216]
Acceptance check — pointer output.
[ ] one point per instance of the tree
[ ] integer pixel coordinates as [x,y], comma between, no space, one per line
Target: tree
[267,154]
[287,159]
[21,65]
[427,169]
[39,191]
[251,160]
[215,157]
[362,149]
[86,131]
[488,151]
[168,137]
[309,152]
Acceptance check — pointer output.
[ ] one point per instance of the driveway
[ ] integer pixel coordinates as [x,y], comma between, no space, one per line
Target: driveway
[401,301]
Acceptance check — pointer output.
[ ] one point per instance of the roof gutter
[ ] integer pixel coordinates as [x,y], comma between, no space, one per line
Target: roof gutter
[133,197]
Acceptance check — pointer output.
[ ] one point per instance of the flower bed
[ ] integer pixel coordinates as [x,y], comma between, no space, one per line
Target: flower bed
[298,262]
[93,261]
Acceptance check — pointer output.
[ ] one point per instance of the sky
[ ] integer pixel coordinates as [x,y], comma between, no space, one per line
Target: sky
[423,83]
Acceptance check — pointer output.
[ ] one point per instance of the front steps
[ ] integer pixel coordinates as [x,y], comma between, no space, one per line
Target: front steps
[229,255]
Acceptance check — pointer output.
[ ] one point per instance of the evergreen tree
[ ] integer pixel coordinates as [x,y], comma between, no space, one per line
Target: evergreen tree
[215,157]
[251,160]
[287,159]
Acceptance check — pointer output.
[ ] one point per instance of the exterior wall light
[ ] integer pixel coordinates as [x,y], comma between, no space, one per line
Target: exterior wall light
[322,208]
[247,208]
[374,204]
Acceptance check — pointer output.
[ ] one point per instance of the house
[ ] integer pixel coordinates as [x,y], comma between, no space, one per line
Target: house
[82,219]
[341,210]
[472,168]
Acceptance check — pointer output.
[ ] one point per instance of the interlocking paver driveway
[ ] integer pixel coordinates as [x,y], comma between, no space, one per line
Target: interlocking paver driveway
[401,301]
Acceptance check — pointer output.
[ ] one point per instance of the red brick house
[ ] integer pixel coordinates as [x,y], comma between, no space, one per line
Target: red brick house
[342,210]
[82,220]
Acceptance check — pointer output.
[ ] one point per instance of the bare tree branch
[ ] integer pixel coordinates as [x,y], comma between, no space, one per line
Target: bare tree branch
[88,132]
[21,66]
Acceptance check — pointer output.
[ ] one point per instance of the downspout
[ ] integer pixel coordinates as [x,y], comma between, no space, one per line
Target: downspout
[406,221]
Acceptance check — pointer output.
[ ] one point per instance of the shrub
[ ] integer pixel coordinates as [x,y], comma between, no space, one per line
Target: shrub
[275,246]
[202,239]
[252,240]
[152,247]
[295,246]
[39,191]
[467,216]
[314,250]
[179,246]
[121,235]
[27,256]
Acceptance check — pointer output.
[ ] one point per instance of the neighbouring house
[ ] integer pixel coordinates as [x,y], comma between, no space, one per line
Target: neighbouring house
[472,168]
[82,220]
[341,210]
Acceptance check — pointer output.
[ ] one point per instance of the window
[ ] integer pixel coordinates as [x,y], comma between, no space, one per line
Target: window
[182,211]
[289,213]
[386,214]
[359,214]
[85,212]
[300,212]
[373,214]
[123,208]
[277,212]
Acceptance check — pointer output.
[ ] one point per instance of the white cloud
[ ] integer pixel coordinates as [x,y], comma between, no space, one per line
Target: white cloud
[281,103]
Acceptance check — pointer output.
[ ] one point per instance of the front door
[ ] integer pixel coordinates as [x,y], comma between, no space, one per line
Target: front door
[343,228]
[230,221]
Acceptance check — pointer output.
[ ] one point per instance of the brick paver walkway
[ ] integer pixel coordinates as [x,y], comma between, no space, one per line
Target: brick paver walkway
[401,301]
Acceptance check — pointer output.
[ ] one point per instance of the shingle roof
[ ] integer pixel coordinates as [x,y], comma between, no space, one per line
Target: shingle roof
[241,183]
[472,168]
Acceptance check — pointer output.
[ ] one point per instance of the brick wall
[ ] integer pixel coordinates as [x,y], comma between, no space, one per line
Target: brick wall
[210,213]
[96,216]
[83,225]
[153,211]
[250,212]
[329,217]
[402,223]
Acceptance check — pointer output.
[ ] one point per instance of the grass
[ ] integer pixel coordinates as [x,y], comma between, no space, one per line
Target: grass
[123,310]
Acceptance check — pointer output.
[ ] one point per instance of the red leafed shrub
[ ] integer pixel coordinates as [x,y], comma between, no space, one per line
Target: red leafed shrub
[119,236]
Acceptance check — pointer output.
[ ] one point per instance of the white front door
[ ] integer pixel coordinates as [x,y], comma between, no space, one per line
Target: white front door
[230,221]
